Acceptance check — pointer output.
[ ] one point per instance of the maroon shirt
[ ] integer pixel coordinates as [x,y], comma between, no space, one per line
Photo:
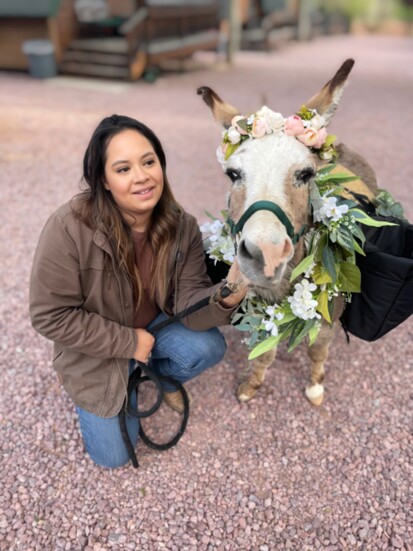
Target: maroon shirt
[148,309]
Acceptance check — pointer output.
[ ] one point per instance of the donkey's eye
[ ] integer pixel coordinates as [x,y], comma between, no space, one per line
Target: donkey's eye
[304,176]
[234,175]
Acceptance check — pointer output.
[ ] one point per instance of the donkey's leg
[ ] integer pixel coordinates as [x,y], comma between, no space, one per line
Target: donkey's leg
[318,353]
[255,376]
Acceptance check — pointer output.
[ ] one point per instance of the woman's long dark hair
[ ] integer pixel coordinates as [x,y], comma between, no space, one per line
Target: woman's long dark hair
[97,208]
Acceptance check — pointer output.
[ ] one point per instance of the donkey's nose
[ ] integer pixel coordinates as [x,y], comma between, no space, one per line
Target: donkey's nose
[265,257]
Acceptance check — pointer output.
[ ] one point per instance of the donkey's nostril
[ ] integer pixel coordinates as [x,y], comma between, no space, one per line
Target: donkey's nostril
[243,250]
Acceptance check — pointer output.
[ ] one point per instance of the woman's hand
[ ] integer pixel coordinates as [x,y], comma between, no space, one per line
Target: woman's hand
[145,345]
[235,276]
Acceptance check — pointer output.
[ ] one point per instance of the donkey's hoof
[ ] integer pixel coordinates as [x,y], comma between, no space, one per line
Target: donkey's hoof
[315,394]
[245,392]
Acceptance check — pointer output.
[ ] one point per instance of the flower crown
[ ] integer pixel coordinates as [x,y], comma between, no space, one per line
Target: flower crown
[306,125]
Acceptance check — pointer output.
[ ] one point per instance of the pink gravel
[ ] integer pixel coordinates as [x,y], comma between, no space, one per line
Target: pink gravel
[275,474]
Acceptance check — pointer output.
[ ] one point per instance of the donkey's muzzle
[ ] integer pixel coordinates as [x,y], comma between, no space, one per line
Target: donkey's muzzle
[264,263]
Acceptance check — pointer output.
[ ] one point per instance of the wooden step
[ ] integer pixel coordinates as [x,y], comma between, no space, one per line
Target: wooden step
[181,47]
[93,69]
[102,45]
[95,57]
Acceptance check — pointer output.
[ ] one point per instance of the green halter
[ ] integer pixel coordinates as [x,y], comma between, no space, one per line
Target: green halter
[275,209]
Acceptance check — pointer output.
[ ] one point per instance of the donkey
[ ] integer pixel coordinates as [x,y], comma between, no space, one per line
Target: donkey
[278,168]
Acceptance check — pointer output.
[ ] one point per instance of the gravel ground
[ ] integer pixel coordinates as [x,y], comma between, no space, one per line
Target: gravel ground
[274,474]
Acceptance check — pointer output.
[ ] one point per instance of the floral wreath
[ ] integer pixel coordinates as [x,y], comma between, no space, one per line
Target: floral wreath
[329,266]
[306,125]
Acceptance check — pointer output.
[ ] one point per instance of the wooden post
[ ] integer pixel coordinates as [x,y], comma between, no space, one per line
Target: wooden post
[234,30]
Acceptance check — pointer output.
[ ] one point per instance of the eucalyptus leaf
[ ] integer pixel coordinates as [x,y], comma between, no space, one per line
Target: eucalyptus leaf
[243,327]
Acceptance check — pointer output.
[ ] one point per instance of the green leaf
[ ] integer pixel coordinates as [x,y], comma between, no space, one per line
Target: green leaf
[299,332]
[243,327]
[242,123]
[231,147]
[340,177]
[322,306]
[325,169]
[321,243]
[363,218]
[349,278]
[387,206]
[330,139]
[328,263]
[264,346]
[358,249]
[313,333]
[320,275]
[302,266]
[345,238]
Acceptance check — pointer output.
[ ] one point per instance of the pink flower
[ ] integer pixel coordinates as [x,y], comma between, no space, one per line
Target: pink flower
[309,137]
[259,128]
[313,138]
[234,123]
[293,126]
[322,135]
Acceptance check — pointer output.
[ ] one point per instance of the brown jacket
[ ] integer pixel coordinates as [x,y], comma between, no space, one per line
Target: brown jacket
[84,304]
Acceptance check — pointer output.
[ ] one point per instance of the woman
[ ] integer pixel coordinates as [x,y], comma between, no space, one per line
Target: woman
[118,258]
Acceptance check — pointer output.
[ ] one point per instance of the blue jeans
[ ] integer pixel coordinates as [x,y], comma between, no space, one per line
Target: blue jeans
[179,353]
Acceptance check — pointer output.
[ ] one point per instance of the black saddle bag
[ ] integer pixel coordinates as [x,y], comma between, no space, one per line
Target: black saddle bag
[386,297]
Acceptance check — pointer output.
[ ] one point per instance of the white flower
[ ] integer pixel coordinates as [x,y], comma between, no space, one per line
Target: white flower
[227,249]
[233,135]
[303,305]
[214,228]
[274,120]
[270,310]
[317,122]
[270,327]
[270,324]
[329,210]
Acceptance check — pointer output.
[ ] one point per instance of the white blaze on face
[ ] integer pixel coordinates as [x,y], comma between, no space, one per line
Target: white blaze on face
[267,166]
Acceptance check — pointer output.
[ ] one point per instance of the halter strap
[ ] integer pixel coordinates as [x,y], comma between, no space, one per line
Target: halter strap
[275,209]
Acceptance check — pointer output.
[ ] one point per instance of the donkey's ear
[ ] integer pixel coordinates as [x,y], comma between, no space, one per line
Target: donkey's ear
[327,100]
[223,112]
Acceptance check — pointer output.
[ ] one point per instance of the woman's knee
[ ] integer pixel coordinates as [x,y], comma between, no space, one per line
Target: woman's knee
[217,347]
[103,439]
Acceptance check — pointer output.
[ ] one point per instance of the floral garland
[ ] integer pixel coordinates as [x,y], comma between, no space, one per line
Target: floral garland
[328,269]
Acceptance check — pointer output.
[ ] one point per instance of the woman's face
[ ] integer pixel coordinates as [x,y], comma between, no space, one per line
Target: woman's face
[133,175]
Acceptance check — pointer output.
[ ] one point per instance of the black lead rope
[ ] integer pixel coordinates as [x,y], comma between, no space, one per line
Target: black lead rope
[137,378]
